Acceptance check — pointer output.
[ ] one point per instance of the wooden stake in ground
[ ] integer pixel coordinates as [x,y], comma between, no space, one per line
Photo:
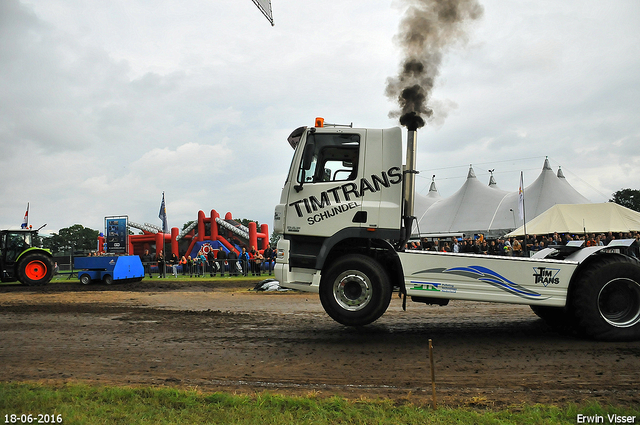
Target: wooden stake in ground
[433,376]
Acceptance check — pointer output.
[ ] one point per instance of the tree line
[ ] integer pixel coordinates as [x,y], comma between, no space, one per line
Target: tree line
[629,198]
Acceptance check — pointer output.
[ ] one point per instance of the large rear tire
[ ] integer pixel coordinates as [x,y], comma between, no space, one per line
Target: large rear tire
[606,300]
[355,290]
[35,269]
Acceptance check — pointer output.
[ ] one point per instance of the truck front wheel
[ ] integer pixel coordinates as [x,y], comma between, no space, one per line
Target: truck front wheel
[607,300]
[35,269]
[355,290]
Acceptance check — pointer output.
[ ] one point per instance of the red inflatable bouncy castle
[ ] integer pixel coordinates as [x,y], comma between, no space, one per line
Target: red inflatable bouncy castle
[211,231]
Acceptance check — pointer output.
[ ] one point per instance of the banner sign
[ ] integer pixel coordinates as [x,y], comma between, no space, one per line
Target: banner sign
[117,234]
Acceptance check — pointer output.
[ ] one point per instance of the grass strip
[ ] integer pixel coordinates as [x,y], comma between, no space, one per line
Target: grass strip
[84,404]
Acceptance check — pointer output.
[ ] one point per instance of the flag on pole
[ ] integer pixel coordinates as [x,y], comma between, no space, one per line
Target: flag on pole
[25,220]
[521,198]
[265,8]
[163,216]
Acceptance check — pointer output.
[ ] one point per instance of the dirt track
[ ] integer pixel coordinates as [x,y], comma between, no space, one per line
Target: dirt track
[215,338]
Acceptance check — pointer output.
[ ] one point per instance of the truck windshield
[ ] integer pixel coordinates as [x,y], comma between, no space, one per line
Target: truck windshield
[329,158]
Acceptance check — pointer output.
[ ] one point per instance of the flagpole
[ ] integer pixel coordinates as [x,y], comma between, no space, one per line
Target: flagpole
[524,214]
[163,216]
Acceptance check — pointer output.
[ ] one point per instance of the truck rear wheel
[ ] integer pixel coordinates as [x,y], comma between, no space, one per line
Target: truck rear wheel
[35,269]
[355,291]
[606,299]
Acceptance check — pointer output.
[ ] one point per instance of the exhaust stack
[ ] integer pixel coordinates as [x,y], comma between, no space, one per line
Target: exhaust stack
[409,184]
[410,174]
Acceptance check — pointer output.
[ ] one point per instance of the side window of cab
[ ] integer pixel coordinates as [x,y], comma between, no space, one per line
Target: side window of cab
[329,158]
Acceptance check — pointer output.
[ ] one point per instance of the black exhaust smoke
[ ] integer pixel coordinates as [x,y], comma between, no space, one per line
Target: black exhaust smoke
[427,30]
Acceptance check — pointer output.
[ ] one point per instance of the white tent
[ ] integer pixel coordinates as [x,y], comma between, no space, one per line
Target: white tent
[468,211]
[546,191]
[424,202]
[581,218]
[477,208]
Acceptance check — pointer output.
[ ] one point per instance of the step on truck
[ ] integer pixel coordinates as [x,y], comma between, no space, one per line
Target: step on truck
[345,216]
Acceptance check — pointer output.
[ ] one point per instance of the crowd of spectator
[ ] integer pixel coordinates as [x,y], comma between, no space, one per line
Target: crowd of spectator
[515,246]
[215,261]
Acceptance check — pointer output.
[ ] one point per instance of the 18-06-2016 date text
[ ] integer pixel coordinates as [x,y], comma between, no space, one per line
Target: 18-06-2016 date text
[29,418]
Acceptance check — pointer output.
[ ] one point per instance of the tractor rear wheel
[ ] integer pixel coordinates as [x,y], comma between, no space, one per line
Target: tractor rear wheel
[35,269]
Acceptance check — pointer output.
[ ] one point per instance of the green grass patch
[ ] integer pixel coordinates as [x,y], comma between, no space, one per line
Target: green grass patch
[83,404]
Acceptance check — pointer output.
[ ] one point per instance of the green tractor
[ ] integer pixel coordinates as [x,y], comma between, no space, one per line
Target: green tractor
[21,261]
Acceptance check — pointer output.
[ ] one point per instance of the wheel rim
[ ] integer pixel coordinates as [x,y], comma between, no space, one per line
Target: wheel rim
[619,302]
[352,290]
[35,270]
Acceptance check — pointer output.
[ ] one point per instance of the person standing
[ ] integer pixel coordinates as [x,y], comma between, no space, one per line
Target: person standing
[174,264]
[517,248]
[232,255]
[255,261]
[190,265]
[508,249]
[221,256]
[147,259]
[161,264]
[268,253]
[202,262]
[183,264]
[244,261]
[211,257]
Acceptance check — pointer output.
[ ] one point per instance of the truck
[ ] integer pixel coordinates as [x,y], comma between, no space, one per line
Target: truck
[345,215]
[21,261]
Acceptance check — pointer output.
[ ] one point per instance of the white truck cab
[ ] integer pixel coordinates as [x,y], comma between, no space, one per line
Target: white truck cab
[345,215]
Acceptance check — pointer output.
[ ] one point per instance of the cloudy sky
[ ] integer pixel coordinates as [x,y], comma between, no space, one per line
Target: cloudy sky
[105,105]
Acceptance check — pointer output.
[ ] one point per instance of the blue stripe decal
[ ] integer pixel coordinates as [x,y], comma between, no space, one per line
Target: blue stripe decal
[491,277]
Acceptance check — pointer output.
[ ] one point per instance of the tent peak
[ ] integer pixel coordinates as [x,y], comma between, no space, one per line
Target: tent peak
[471,174]
[560,173]
[546,165]
[432,187]
[492,180]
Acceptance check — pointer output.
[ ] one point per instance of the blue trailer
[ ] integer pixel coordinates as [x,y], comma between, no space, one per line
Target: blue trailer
[109,269]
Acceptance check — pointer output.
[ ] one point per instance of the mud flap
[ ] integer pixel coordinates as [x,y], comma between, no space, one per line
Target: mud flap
[402,293]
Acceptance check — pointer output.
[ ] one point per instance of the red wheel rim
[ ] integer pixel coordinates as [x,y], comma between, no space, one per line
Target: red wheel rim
[35,270]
